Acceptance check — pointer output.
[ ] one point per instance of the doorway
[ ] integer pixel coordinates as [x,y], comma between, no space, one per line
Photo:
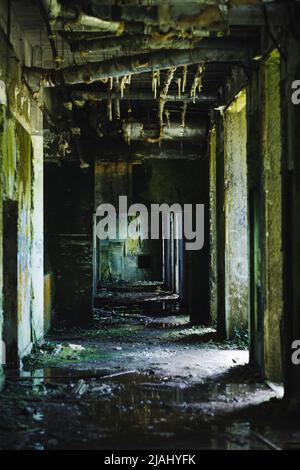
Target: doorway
[10,281]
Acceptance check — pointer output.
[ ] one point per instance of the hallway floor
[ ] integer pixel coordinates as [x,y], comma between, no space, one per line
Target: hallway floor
[134,381]
[151,296]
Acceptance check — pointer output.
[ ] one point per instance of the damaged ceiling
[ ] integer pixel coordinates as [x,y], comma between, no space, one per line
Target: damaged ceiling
[145,70]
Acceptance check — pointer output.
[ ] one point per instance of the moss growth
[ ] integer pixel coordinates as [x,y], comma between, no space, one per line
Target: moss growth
[116,333]
[25,153]
[55,354]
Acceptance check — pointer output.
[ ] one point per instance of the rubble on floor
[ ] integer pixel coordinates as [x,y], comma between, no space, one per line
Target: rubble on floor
[145,382]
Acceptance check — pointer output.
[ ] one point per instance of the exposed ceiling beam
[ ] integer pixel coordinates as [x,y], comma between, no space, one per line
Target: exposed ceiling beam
[118,67]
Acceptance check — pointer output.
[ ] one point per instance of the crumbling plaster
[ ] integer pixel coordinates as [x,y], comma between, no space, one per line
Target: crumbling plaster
[20,120]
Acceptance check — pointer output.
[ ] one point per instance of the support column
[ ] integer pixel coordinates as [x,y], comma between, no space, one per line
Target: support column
[220,229]
[236,218]
[272,149]
[37,250]
[213,224]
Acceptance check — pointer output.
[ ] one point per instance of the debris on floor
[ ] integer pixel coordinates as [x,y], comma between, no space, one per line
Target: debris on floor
[160,390]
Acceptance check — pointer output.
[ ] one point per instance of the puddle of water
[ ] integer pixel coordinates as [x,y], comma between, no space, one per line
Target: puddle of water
[136,410]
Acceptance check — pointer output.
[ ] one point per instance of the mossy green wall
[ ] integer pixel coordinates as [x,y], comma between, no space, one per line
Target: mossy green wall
[16,152]
[271,151]
[20,118]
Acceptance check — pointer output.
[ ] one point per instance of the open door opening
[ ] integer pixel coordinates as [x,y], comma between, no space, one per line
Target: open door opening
[10,281]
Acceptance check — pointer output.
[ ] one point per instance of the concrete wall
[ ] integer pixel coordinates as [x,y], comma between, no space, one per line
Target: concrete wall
[21,197]
[271,153]
[264,156]
[37,247]
[236,217]
[213,224]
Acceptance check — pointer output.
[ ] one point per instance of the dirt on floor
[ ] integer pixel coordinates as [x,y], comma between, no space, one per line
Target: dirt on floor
[139,382]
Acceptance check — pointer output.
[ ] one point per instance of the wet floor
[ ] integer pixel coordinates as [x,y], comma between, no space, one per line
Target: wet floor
[139,383]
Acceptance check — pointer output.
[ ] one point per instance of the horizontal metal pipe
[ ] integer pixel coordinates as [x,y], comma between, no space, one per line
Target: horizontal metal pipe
[138,131]
[237,14]
[158,60]
[141,42]
[60,17]
[129,43]
[101,96]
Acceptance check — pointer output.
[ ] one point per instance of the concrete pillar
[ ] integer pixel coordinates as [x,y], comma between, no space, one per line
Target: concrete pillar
[256,217]
[236,218]
[213,224]
[220,229]
[271,152]
[197,265]
[37,250]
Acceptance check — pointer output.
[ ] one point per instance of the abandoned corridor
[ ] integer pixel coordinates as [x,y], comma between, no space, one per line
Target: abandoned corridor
[149,218]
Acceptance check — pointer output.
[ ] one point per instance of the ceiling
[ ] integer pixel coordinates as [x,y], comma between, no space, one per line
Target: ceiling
[79,45]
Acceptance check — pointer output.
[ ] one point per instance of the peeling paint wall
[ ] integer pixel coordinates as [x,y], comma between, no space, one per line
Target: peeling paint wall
[17,157]
[265,116]
[37,248]
[20,120]
[236,217]
[24,153]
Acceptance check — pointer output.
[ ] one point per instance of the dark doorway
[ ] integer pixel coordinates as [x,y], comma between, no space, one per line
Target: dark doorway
[10,281]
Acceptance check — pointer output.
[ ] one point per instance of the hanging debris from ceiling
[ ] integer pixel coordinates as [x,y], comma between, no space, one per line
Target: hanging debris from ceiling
[126,80]
[183,114]
[197,83]
[155,82]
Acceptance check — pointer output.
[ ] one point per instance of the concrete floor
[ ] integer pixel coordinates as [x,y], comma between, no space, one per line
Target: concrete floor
[134,381]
